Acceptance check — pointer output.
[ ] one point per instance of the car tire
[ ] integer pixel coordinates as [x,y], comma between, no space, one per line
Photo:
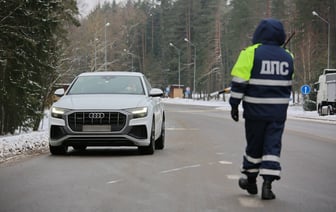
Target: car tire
[319,110]
[160,142]
[79,147]
[149,150]
[329,110]
[58,150]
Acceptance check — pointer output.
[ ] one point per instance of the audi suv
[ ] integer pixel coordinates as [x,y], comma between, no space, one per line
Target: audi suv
[107,109]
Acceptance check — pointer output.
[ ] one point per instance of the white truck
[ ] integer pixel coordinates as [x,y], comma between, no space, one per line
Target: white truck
[326,93]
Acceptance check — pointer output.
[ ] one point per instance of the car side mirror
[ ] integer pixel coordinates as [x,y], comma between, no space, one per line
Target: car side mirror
[59,92]
[156,92]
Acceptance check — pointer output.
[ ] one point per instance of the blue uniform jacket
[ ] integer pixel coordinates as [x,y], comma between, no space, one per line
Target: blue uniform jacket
[262,75]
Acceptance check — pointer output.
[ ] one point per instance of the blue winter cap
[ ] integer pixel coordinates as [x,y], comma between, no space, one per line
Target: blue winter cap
[269,31]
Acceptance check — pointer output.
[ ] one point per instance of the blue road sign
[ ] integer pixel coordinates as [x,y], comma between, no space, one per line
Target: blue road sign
[305,89]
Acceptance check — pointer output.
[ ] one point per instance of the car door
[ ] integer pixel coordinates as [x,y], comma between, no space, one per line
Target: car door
[155,102]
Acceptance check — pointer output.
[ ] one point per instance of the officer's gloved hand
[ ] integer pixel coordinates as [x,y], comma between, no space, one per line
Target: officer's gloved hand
[235,113]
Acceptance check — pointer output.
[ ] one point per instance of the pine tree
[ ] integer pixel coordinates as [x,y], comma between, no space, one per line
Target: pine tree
[30,38]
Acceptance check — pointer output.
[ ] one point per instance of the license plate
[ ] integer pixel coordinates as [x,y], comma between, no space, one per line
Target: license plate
[96,128]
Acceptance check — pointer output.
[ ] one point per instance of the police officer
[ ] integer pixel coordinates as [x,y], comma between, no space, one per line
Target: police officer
[262,80]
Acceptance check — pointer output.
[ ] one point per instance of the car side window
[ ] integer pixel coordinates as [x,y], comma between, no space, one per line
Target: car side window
[148,85]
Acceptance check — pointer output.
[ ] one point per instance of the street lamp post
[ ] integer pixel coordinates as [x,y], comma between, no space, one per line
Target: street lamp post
[194,84]
[316,14]
[179,62]
[95,56]
[105,62]
[132,62]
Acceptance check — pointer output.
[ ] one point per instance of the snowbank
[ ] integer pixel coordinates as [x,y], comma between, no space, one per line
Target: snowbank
[27,143]
[11,146]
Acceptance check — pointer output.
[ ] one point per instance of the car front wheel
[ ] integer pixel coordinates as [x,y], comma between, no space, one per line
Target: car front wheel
[160,142]
[149,150]
[79,147]
[58,150]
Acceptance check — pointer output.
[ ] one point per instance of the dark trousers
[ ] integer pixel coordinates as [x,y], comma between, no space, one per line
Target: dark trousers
[262,153]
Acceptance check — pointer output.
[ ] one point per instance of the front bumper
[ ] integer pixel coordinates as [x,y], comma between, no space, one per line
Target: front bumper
[134,132]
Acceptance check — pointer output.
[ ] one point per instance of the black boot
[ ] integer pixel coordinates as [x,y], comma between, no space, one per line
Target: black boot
[266,192]
[250,186]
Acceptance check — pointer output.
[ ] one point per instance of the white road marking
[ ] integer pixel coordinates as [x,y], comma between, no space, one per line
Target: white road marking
[232,177]
[225,162]
[195,111]
[181,129]
[250,202]
[180,168]
[113,181]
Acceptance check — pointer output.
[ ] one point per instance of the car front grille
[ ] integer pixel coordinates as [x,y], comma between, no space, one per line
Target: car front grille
[96,121]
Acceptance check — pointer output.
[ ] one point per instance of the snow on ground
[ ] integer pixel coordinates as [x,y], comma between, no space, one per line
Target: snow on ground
[25,143]
[294,111]
[12,146]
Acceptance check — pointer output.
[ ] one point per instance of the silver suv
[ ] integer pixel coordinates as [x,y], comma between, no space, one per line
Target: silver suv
[107,109]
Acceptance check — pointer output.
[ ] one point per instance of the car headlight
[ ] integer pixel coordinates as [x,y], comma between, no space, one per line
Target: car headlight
[138,112]
[57,112]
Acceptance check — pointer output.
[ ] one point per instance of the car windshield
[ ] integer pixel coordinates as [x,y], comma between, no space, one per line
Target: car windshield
[107,84]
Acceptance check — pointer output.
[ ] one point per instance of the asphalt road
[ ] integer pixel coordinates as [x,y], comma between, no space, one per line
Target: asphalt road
[196,172]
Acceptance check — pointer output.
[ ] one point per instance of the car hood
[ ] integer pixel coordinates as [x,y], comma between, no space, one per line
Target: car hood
[101,101]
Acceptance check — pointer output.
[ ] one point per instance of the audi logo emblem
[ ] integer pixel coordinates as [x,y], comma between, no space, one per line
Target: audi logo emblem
[96,115]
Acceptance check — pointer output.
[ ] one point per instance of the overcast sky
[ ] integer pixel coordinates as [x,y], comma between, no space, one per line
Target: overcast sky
[85,6]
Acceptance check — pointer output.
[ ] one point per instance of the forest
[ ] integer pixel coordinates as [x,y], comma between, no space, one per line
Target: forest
[193,43]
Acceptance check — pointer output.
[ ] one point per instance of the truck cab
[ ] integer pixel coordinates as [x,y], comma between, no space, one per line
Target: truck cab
[326,92]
